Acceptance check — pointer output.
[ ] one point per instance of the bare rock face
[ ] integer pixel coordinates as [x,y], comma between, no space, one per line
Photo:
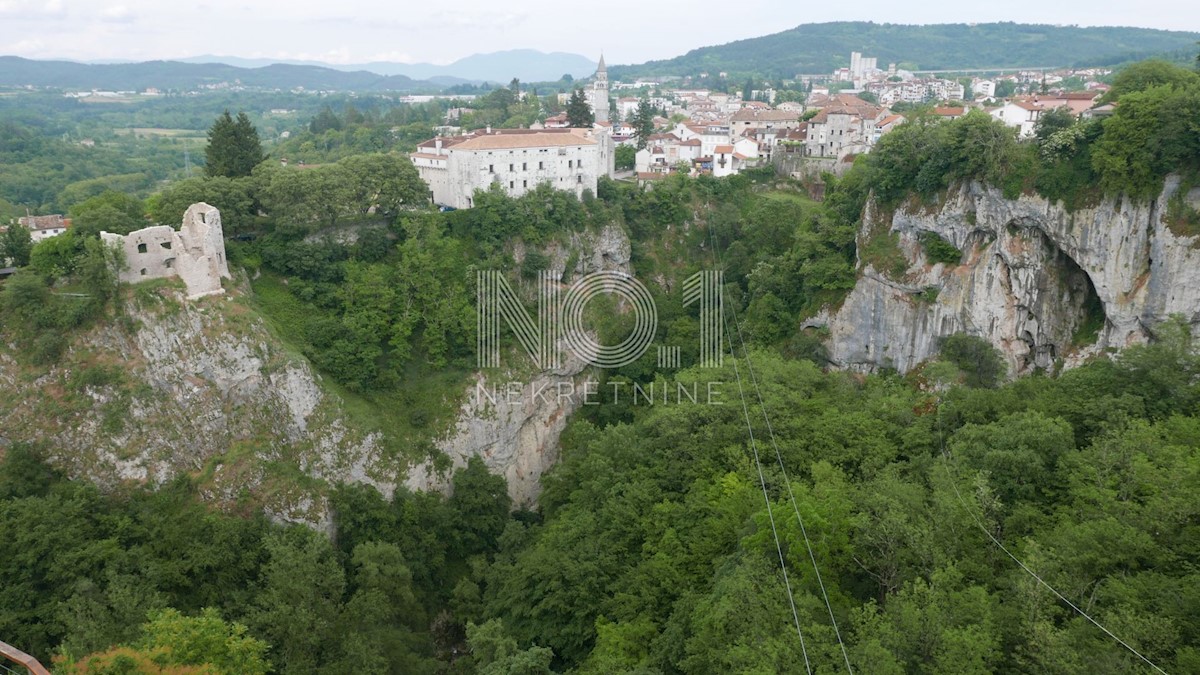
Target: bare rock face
[190,387]
[1032,274]
[517,437]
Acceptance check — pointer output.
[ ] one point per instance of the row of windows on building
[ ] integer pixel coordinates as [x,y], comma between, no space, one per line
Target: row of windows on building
[513,184]
[571,164]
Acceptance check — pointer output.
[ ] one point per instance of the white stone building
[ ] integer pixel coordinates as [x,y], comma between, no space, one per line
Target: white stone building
[1022,114]
[845,126]
[43,227]
[194,253]
[518,160]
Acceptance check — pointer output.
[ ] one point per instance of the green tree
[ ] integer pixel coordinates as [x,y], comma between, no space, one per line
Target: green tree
[481,505]
[1144,75]
[15,246]
[626,157]
[979,361]
[234,148]
[643,123]
[579,111]
[205,640]
[110,211]
[301,600]
[496,653]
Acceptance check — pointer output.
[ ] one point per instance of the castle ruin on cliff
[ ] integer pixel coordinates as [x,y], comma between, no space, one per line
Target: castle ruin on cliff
[195,253]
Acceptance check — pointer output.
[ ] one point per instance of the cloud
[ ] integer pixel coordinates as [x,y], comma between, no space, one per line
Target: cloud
[32,9]
[117,14]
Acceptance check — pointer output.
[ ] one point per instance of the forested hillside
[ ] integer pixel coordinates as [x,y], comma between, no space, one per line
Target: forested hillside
[823,47]
[673,537]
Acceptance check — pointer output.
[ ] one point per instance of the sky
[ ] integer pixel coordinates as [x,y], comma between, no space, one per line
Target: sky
[358,31]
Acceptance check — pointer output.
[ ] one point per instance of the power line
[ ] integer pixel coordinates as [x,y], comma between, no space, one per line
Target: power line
[779,457]
[767,498]
[980,525]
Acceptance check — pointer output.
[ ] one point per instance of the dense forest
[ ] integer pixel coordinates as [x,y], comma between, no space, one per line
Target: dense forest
[823,47]
[862,526]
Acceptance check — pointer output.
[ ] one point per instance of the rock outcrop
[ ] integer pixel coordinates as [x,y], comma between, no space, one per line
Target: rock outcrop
[201,387]
[518,438]
[1032,274]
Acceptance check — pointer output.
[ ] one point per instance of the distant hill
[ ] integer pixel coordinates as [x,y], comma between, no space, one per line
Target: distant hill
[173,75]
[528,65]
[822,47]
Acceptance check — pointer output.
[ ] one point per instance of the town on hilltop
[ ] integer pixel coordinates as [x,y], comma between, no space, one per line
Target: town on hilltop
[671,126]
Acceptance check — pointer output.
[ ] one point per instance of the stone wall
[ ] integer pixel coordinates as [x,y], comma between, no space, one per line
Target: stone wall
[195,253]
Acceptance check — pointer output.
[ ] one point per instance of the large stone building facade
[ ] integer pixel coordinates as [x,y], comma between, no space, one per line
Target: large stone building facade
[195,253]
[518,160]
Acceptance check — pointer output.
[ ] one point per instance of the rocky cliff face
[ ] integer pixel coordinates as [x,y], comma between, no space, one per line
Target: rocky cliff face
[1032,274]
[517,436]
[203,388]
[187,387]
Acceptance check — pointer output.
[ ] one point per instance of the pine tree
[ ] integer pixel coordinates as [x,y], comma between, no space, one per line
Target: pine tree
[234,148]
[643,123]
[579,111]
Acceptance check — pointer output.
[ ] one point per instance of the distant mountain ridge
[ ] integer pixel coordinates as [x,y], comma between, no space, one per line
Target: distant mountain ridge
[527,65]
[173,75]
[822,47]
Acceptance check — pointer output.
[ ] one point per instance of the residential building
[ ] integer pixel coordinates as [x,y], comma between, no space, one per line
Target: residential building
[748,119]
[846,125]
[1020,113]
[518,160]
[44,227]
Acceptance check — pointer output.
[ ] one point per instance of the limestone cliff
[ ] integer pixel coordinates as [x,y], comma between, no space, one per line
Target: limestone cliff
[518,437]
[202,387]
[1030,276]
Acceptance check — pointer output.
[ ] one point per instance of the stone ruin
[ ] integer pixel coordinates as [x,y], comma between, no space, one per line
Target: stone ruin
[194,253]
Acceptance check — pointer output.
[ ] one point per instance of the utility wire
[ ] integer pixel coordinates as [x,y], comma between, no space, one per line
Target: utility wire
[1078,610]
[762,479]
[779,457]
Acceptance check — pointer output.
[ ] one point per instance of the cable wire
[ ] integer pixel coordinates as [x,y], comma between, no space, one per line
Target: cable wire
[980,525]
[762,479]
[779,457]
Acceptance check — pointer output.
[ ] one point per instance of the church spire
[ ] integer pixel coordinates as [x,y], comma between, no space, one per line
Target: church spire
[601,68]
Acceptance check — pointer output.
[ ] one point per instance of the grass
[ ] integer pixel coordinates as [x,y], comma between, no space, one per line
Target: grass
[938,250]
[881,249]
[1183,218]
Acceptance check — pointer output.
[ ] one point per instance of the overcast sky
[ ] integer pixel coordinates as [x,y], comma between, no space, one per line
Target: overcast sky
[440,31]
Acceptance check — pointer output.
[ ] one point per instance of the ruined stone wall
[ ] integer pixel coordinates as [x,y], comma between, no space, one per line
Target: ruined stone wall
[195,253]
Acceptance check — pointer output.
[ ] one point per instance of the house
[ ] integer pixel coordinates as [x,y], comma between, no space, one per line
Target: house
[747,119]
[1077,101]
[950,113]
[710,135]
[518,160]
[1020,113]
[887,124]
[726,161]
[845,125]
[44,227]
[558,121]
